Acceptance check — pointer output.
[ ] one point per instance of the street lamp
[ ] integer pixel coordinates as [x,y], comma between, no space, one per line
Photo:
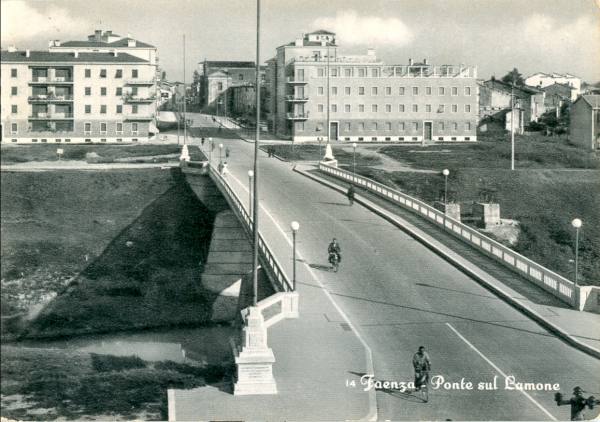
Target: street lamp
[210,148]
[250,176]
[220,153]
[445,172]
[354,159]
[577,224]
[295,226]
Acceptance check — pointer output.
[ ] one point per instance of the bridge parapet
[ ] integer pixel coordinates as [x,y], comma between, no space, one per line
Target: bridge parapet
[557,285]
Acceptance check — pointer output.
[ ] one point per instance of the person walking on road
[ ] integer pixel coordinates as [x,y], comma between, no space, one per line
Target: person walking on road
[350,195]
[227,152]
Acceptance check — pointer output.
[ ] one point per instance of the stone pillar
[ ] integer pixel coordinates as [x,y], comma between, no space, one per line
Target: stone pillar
[185,155]
[254,358]
[487,214]
[451,209]
[329,159]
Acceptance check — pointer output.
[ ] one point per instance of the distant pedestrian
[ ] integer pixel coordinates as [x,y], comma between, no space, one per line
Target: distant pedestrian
[227,152]
[202,141]
[350,195]
[225,170]
[220,167]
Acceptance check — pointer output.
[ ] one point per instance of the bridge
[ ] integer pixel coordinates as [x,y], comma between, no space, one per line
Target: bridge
[401,284]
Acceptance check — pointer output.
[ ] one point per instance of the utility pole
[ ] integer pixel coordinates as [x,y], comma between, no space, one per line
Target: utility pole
[184,96]
[512,125]
[255,187]
[328,123]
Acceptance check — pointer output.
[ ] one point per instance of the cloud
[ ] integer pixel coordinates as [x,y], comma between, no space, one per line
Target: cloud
[22,22]
[354,29]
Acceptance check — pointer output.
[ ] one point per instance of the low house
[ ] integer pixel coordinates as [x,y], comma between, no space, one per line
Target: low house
[542,80]
[557,94]
[585,122]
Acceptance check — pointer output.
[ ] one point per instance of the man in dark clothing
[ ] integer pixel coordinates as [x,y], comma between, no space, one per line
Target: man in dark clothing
[577,402]
[350,194]
[422,366]
[335,248]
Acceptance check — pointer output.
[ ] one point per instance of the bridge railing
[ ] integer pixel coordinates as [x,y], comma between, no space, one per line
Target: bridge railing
[559,286]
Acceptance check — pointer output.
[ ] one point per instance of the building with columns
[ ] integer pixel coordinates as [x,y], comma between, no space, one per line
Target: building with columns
[363,99]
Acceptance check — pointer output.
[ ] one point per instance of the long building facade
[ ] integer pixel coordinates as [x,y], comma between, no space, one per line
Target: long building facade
[365,100]
[76,97]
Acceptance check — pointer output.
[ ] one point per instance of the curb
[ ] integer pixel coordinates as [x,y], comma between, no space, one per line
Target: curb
[480,278]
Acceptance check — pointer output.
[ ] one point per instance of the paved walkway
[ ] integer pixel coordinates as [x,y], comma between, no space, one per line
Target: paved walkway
[583,326]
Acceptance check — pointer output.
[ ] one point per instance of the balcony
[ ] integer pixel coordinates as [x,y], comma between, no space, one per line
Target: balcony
[137,117]
[44,80]
[297,116]
[51,116]
[49,98]
[139,82]
[297,98]
[291,80]
[135,99]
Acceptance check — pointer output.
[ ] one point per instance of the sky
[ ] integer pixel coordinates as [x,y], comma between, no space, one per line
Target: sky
[495,35]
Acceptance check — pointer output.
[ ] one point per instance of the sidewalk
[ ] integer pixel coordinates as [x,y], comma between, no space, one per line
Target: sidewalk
[579,329]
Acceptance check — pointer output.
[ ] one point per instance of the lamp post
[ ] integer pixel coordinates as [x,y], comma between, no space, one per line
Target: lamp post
[512,126]
[295,226]
[577,224]
[210,148]
[445,172]
[255,185]
[250,176]
[220,153]
[354,159]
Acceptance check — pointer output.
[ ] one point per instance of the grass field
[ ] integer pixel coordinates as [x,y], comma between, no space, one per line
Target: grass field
[311,152]
[128,243]
[46,384]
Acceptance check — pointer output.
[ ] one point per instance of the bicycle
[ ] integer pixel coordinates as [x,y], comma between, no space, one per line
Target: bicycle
[422,385]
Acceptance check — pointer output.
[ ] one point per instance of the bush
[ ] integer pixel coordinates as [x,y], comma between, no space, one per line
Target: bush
[106,363]
[535,127]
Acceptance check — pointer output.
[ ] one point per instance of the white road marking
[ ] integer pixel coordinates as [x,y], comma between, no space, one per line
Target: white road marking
[370,367]
[499,371]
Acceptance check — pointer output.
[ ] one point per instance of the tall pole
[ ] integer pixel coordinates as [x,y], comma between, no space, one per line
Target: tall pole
[328,123]
[178,121]
[256,140]
[354,159]
[576,255]
[184,96]
[512,126]
[294,261]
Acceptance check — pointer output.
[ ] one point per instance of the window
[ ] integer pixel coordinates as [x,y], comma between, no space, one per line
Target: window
[348,72]
[320,90]
[119,139]
[134,91]
[119,109]
[401,126]
[401,108]
[320,72]
[467,108]
[454,126]
[361,126]
[415,126]
[374,90]
[334,90]
[415,108]
[44,140]
[103,91]
[119,73]
[467,90]
[134,109]
[33,140]
[68,140]
[88,140]
[88,109]
[14,128]
[320,108]
[134,128]
[415,90]
[454,90]
[374,126]
[334,72]
[454,108]
[374,108]
[103,127]
[361,72]
[119,91]
[468,126]
[241,77]
[134,139]
[428,90]
[119,128]
[14,109]
[361,108]
[88,73]
[401,90]
[103,140]
[441,125]
[334,108]
[87,128]
[220,86]
[347,90]
[428,108]
[103,109]
[388,90]
[441,108]
[388,126]
[134,73]
[103,73]
[388,108]
[88,90]
[13,90]
[441,90]
[347,108]
[361,90]
[13,73]
[375,72]
[57,141]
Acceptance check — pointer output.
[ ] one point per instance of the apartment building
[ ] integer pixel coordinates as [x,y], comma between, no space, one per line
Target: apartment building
[362,99]
[75,97]
[542,80]
[216,77]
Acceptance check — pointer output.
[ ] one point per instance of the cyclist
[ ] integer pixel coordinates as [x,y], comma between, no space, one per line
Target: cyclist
[350,195]
[334,248]
[422,366]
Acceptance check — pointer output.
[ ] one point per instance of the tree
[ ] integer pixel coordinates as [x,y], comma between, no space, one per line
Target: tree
[163,76]
[514,76]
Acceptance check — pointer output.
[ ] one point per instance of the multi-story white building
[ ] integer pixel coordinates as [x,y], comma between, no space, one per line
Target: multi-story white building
[542,80]
[365,100]
[55,97]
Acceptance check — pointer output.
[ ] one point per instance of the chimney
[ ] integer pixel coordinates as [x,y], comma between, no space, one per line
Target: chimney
[298,42]
[115,53]
[27,53]
[76,54]
[425,61]
[12,48]
[98,35]
[130,42]
[410,62]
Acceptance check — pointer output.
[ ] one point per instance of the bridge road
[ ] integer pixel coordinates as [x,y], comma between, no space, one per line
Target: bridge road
[401,295]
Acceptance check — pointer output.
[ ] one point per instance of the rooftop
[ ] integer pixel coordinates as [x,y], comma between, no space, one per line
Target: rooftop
[119,43]
[60,57]
[230,64]
[593,100]
[496,83]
